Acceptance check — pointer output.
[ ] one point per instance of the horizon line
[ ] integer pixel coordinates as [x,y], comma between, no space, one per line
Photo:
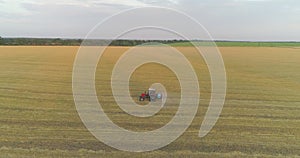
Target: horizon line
[179,40]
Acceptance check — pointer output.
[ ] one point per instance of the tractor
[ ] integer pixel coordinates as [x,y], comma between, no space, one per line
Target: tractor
[150,95]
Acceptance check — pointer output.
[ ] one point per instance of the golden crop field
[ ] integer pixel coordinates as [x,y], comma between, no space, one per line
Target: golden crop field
[260,118]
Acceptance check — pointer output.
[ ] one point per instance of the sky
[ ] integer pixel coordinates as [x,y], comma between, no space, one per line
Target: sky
[249,20]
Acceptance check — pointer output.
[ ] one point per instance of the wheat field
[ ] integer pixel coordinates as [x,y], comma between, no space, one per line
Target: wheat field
[260,118]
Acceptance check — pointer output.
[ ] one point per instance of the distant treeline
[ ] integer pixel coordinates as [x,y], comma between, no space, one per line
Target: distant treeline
[97,42]
[78,42]
[39,41]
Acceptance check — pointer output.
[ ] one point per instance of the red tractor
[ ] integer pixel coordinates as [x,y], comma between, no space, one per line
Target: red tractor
[150,95]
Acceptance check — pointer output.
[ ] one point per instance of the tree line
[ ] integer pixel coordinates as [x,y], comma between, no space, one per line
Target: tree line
[78,42]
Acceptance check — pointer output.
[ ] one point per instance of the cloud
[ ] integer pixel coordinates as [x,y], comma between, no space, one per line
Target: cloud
[224,19]
[161,2]
[11,6]
[17,6]
[93,3]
